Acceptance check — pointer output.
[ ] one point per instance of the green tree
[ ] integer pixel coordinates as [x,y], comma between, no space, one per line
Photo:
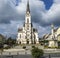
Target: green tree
[11,41]
[2,41]
[36,52]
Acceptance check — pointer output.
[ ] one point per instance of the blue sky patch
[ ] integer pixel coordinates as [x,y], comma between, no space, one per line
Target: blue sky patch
[48,3]
[17,2]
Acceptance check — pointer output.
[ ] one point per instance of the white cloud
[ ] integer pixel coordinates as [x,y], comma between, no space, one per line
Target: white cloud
[9,29]
[57,1]
[21,8]
[53,13]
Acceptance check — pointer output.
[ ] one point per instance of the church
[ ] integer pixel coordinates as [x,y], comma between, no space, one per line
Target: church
[53,37]
[27,34]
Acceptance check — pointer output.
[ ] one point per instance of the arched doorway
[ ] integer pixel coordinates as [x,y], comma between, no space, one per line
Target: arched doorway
[27,41]
[20,42]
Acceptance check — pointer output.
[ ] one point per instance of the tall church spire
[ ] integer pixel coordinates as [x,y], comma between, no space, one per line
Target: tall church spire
[28,16]
[28,8]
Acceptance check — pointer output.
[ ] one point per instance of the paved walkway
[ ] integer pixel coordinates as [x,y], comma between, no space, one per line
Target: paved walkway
[23,56]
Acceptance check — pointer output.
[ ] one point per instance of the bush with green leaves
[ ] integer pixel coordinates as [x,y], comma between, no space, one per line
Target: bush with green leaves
[7,47]
[33,46]
[36,52]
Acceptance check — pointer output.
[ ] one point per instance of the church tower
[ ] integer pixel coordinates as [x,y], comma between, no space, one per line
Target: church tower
[28,24]
[52,31]
[28,18]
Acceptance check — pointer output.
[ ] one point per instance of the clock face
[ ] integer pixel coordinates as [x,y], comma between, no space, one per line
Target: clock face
[28,14]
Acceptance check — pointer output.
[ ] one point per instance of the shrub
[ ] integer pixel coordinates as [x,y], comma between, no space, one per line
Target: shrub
[33,46]
[1,49]
[7,47]
[36,53]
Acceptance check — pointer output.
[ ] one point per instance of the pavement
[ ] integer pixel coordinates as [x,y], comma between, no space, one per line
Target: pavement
[16,56]
[23,56]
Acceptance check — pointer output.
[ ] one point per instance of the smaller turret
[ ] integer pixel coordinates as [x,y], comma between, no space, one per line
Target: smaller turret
[52,31]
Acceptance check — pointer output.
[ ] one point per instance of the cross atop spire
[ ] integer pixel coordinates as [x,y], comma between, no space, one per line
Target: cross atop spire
[28,8]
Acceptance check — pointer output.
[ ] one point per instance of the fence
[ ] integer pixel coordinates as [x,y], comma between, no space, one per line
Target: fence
[15,53]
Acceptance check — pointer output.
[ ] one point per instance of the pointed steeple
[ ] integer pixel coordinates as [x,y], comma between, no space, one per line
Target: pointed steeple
[52,31]
[28,8]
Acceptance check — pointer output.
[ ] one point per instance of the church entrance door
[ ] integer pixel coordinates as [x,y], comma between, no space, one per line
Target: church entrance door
[27,42]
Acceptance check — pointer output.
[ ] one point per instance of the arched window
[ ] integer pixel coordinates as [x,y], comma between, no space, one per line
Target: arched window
[28,27]
[27,20]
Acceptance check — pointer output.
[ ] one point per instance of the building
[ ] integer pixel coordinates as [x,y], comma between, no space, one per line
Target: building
[27,34]
[57,33]
[52,38]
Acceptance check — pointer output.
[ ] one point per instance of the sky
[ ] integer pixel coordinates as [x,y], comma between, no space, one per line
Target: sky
[43,14]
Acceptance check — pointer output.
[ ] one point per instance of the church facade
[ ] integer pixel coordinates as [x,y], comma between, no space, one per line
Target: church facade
[27,34]
[52,38]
